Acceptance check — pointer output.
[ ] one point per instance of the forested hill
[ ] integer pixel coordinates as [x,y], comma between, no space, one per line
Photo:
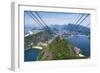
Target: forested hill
[58,49]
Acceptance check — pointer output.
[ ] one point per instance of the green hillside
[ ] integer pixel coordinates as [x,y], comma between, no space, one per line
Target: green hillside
[34,39]
[58,49]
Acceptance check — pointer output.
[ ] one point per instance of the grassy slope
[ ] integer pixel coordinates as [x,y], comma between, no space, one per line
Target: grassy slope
[57,50]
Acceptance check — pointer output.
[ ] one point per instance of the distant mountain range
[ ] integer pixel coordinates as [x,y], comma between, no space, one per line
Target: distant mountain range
[56,28]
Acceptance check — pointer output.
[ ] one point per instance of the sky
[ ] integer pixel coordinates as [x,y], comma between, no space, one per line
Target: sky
[59,18]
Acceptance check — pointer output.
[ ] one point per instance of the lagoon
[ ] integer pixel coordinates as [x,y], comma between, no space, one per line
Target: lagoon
[82,42]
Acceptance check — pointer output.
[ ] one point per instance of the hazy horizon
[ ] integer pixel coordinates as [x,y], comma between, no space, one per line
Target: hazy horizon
[56,18]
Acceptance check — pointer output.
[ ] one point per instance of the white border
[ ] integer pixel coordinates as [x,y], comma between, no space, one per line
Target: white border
[18,38]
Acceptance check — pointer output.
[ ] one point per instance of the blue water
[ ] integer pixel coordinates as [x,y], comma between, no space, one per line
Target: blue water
[31,54]
[82,42]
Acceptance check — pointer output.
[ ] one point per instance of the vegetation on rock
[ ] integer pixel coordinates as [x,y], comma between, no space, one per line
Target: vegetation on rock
[58,49]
